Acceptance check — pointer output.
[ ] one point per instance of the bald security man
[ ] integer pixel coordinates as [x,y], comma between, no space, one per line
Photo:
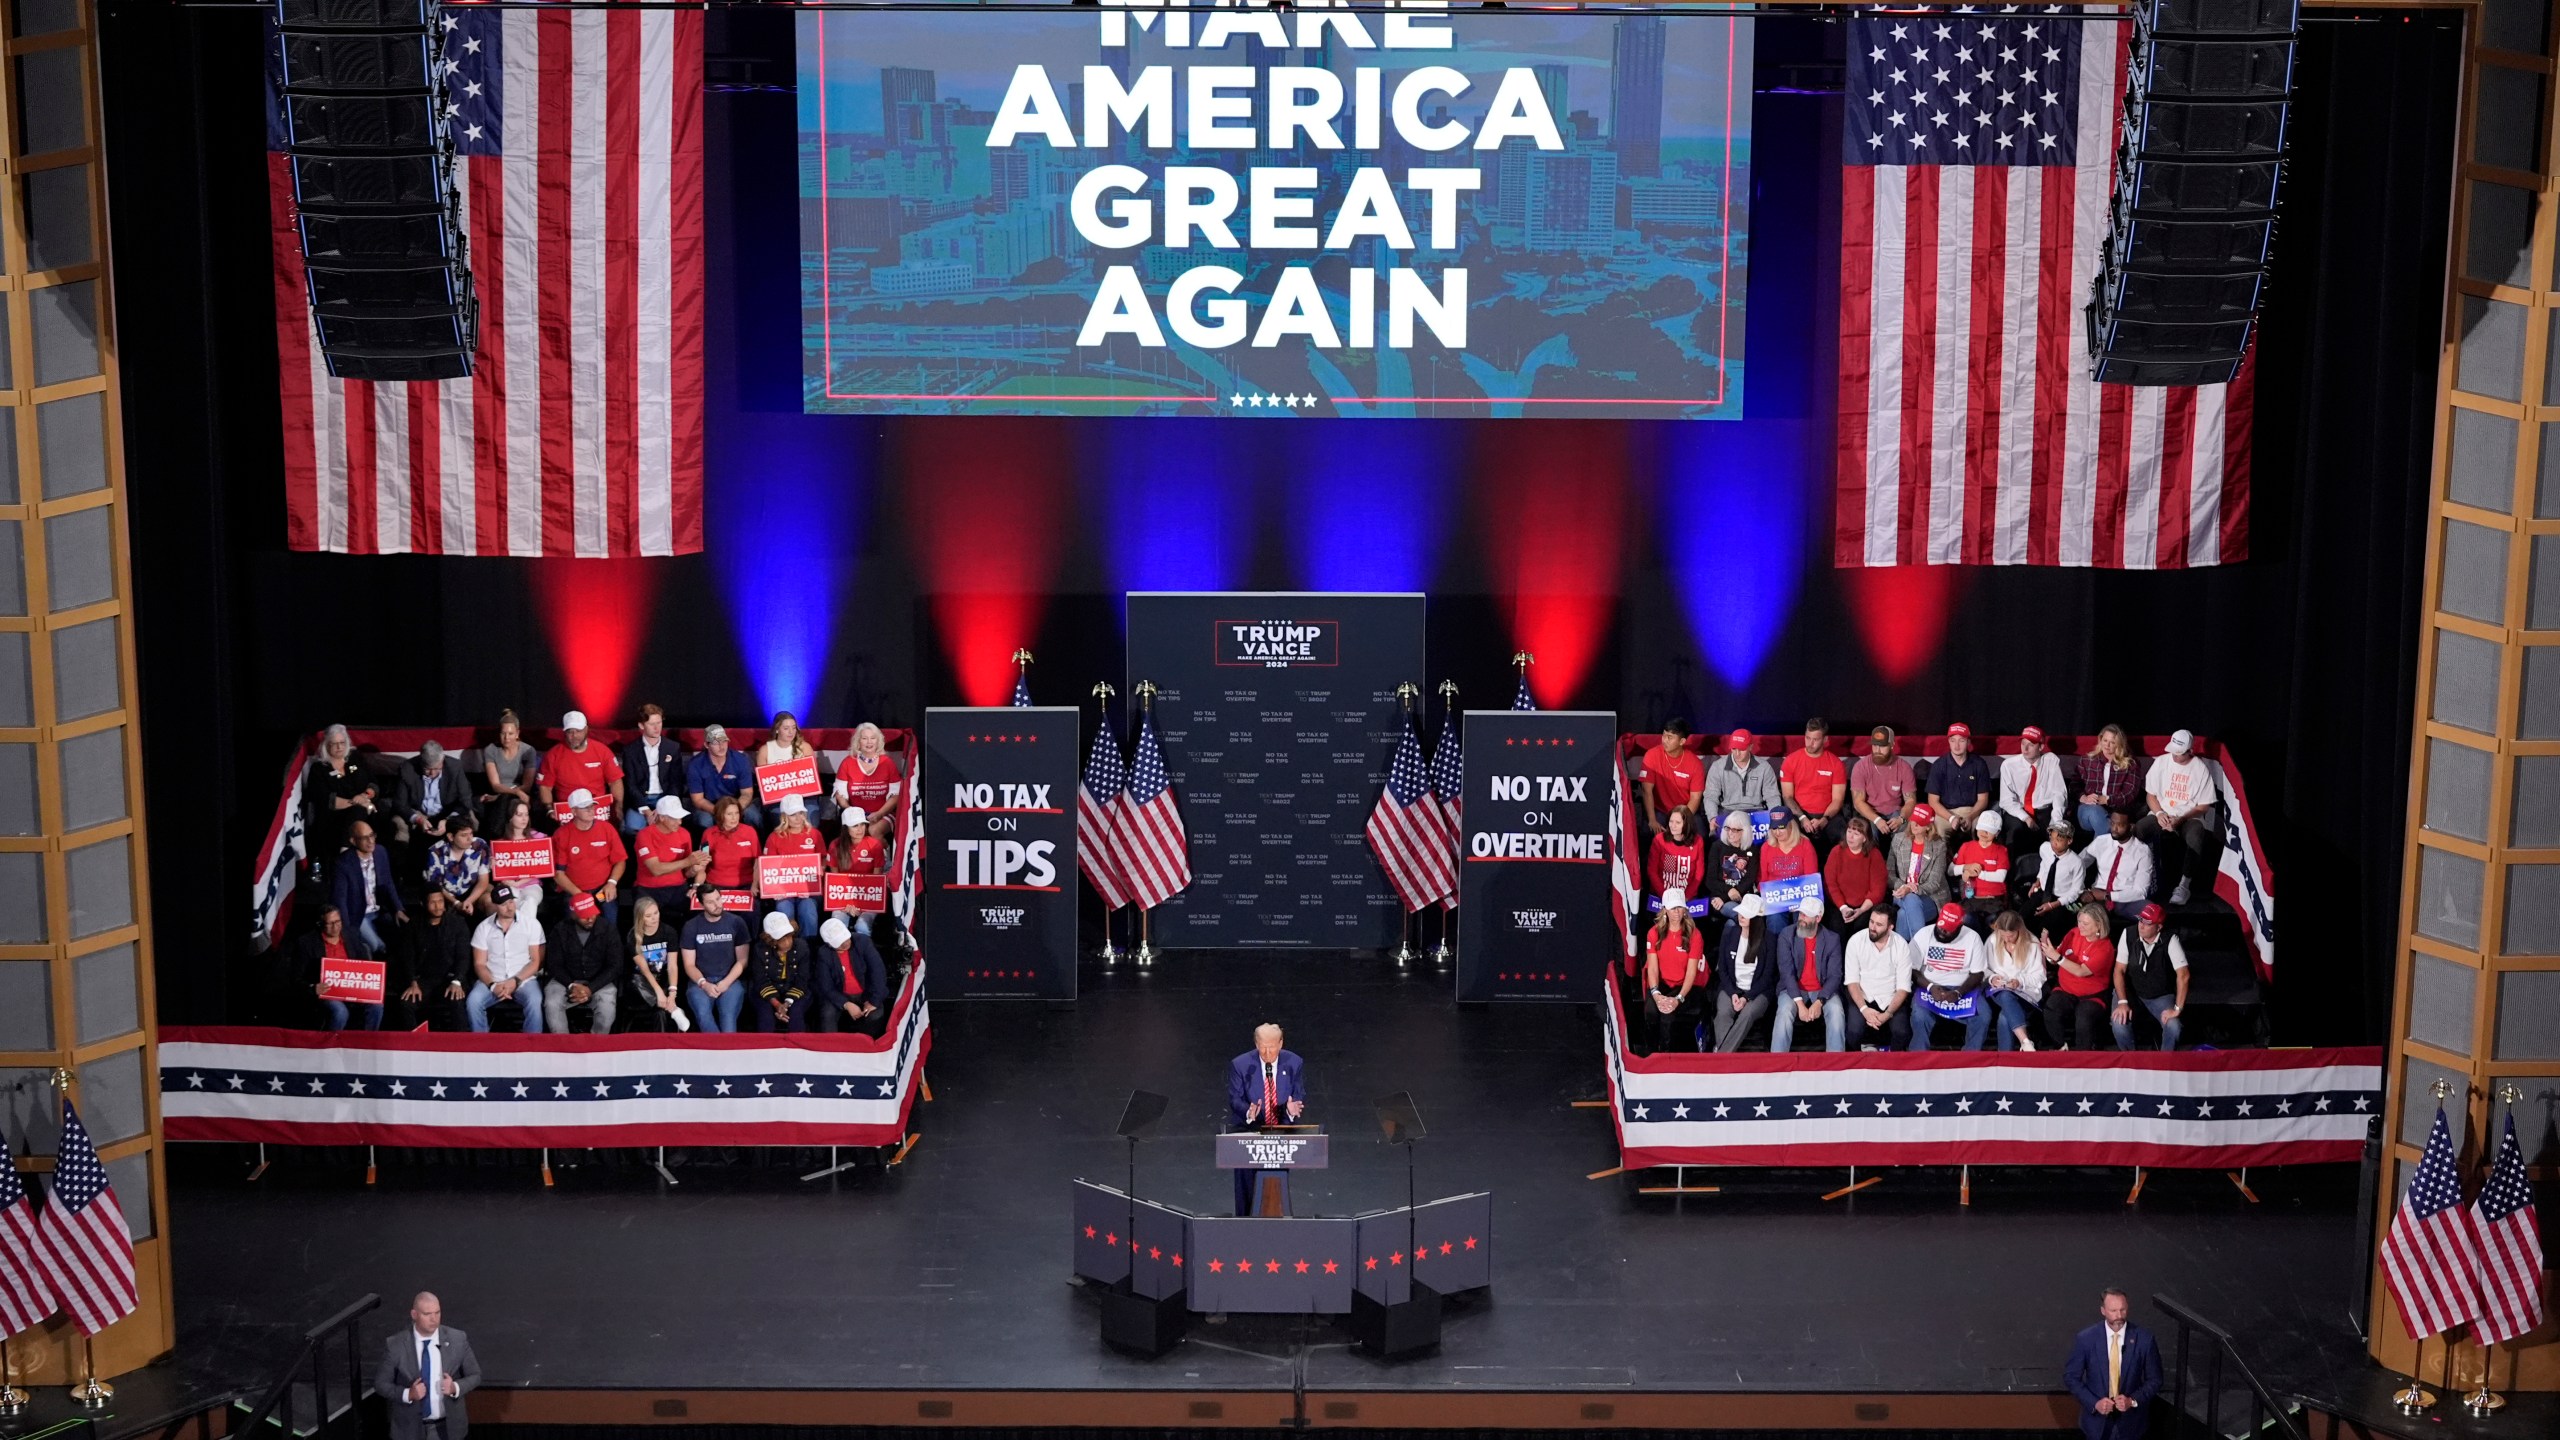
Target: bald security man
[1266,1086]
[426,1371]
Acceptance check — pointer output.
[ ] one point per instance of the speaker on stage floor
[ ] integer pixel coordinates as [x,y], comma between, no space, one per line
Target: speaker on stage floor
[1141,1326]
[1397,1331]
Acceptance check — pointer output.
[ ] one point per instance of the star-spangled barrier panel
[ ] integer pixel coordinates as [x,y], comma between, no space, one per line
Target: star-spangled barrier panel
[2193,1109]
[1262,1265]
[292,1087]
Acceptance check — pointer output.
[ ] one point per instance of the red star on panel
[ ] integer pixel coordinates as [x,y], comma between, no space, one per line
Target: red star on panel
[1302,1267]
[1446,1247]
[1155,1254]
[1370,1263]
[1245,1266]
[1330,1267]
[1177,1256]
[1471,1242]
[1271,1267]
[1112,1239]
[1088,1232]
[1396,1259]
[1217,1266]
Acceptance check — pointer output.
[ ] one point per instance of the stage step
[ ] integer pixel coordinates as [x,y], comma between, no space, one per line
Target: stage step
[299,1414]
[2231,1420]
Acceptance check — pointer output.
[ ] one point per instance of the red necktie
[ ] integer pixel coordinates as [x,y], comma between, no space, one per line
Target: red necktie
[2031,791]
[1270,1095]
[844,962]
[1812,972]
[2111,872]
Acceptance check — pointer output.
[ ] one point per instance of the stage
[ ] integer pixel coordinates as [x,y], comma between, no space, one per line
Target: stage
[949,1277]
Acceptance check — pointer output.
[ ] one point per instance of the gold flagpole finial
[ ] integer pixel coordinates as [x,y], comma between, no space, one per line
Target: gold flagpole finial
[1522,659]
[1021,657]
[1102,690]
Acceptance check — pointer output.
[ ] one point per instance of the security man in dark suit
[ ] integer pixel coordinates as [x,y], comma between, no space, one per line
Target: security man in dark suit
[1266,1085]
[2114,1370]
[426,1371]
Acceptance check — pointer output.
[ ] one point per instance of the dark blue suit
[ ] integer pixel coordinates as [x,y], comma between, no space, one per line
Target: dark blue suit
[2137,1379]
[346,891]
[1245,1089]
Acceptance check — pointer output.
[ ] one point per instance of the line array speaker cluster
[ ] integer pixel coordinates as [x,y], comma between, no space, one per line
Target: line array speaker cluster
[2198,168]
[383,252]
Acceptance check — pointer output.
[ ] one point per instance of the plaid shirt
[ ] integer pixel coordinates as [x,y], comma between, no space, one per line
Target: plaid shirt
[2117,786]
[457,873]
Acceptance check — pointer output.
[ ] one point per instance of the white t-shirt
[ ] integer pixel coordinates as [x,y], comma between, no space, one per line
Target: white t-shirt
[1947,962]
[508,949]
[2182,787]
[1880,971]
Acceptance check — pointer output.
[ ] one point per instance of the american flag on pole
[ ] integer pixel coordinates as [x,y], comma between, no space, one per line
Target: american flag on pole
[2431,1258]
[2510,1245]
[579,431]
[26,1296]
[1097,828]
[1974,197]
[1622,874]
[1449,789]
[1521,699]
[1408,830]
[1154,850]
[87,1251]
[1021,690]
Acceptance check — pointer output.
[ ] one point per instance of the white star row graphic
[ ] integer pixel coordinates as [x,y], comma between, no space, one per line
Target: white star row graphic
[1964,1104]
[1242,401]
[355,1086]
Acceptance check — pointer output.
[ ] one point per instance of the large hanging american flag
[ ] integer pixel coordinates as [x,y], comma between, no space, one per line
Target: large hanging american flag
[579,430]
[88,1252]
[2431,1258]
[26,1295]
[1974,193]
[1449,789]
[1154,849]
[2510,1245]
[1408,831]
[1098,796]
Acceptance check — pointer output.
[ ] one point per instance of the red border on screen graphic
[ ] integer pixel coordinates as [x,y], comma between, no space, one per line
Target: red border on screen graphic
[826,297]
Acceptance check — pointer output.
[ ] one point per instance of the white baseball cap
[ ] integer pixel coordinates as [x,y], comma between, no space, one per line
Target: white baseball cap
[853,815]
[582,799]
[1674,898]
[1752,908]
[574,720]
[1809,908]
[794,805]
[2180,742]
[835,932]
[670,806]
[1987,823]
[777,925]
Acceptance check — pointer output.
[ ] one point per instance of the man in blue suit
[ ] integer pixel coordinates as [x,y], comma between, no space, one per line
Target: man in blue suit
[2114,1370]
[1266,1085]
[360,885]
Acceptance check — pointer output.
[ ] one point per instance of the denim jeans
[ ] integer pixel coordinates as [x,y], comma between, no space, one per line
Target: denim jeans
[2168,1028]
[528,996]
[1782,1035]
[2015,1013]
[803,911]
[367,1017]
[716,1017]
[2093,821]
[1977,1026]
[1912,914]
[372,937]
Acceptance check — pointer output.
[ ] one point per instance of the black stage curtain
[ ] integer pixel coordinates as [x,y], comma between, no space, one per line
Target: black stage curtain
[2302,658]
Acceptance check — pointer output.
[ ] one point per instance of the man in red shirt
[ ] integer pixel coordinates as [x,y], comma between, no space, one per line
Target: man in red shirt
[588,858]
[577,763]
[1674,776]
[669,864]
[1816,785]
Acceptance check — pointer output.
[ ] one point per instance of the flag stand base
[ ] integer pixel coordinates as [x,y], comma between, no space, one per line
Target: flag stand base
[13,1402]
[2484,1402]
[2415,1400]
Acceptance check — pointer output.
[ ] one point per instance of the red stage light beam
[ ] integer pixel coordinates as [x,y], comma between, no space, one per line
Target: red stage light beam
[1553,495]
[1901,613]
[986,514]
[595,613]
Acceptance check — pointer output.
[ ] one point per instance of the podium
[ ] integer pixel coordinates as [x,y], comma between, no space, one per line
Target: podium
[1271,1153]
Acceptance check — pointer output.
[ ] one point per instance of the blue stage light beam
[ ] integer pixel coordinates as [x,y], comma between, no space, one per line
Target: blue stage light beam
[1178,501]
[793,492]
[1368,500]
[1731,519]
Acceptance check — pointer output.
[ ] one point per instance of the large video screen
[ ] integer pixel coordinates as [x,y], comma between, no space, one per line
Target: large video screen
[1322,211]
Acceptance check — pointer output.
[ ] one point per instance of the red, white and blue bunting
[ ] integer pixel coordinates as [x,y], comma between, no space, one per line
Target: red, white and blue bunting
[299,1087]
[2192,1109]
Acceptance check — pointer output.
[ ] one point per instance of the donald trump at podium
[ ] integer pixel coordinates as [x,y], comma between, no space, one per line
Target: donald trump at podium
[1266,1086]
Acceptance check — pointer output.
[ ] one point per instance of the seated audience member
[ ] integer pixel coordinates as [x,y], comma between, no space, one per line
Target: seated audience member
[719,773]
[734,848]
[2055,878]
[653,769]
[580,762]
[509,770]
[1981,868]
[2032,790]
[783,742]
[2151,971]
[1961,783]
[867,780]
[1881,786]
[853,986]
[1876,973]
[1918,867]
[2110,781]
[1733,869]
[1808,961]
[2084,966]
[1673,777]
[1948,957]
[506,963]
[582,969]
[431,787]
[2013,978]
[2120,869]
[1855,879]
[666,863]
[434,963]
[2182,821]
[1814,783]
[331,941]
[1675,970]
[856,851]
[588,858]
[1740,780]
[657,965]
[715,962]
[794,835]
[1747,963]
[458,864]
[516,822]
[1786,854]
[1676,859]
[364,891]
[337,790]
[781,978]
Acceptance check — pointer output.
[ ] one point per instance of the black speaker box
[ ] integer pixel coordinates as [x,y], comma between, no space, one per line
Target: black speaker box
[1399,1331]
[2220,17]
[378,63]
[2159,129]
[1141,1326]
[352,14]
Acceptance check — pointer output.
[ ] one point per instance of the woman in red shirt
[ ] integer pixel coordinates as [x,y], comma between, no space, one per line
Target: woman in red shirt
[856,851]
[867,780]
[1677,857]
[1675,961]
[794,835]
[2084,970]
[732,845]
[1854,878]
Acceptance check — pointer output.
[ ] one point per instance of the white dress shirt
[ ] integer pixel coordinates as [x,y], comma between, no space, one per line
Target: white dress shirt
[2052,791]
[2120,869]
[432,1371]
